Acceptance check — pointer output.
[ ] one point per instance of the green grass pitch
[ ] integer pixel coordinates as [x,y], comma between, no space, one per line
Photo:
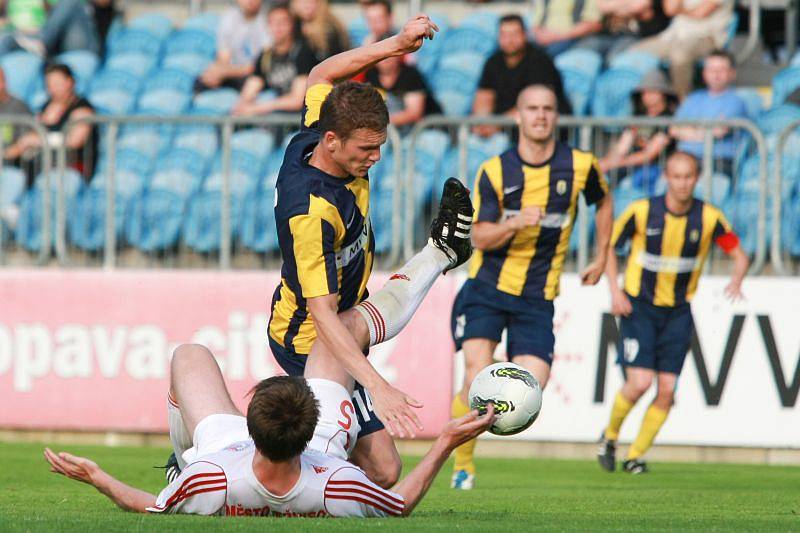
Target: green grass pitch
[511,494]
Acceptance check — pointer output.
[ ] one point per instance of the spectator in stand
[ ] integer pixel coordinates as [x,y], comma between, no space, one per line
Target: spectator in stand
[559,24]
[242,34]
[698,28]
[627,21]
[283,67]
[639,148]
[69,25]
[407,96]
[378,14]
[9,105]
[717,101]
[325,34]
[64,105]
[515,65]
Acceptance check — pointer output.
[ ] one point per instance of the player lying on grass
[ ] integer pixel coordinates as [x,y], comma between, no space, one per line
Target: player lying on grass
[256,465]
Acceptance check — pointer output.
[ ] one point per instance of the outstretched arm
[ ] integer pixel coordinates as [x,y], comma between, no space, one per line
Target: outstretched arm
[414,486]
[87,471]
[347,64]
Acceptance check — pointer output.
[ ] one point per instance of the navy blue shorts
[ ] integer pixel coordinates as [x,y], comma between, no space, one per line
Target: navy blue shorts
[483,312]
[294,364]
[655,337]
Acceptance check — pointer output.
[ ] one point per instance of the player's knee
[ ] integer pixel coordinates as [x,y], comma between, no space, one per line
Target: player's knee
[189,355]
[664,399]
[639,385]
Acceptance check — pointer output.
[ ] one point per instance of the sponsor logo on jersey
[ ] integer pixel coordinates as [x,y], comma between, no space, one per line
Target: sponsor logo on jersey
[349,253]
[320,469]
[399,276]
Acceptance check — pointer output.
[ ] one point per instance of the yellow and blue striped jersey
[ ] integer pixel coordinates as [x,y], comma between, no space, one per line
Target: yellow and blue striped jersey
[667,250]
[324,235]
[530,264]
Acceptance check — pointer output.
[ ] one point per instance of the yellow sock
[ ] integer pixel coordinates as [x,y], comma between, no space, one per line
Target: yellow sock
[619,411]
[653,420]
[466,451]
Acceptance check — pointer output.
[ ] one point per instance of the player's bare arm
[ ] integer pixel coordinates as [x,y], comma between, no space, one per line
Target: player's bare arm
[494,235]
[390,403]
[620,304]
[87,471]
[604,221]
[347,64]
[414,486]
[740,266]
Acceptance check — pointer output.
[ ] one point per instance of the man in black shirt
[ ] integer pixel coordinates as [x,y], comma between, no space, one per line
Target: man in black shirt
[516,65]
[283,68]
[407,96]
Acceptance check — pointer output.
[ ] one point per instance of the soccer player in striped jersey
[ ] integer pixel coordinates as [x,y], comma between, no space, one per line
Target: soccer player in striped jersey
[323,319]
[256,465]
[670,238]
[526,201]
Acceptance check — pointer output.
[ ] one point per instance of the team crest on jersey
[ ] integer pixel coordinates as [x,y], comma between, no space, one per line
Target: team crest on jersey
[561,186]
[320,469]
[694,235]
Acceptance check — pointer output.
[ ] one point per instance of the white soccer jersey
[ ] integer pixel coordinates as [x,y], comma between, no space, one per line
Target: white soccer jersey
[223,483]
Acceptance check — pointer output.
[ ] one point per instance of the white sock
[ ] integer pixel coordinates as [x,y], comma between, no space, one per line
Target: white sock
[178,434]
[388,311]
[337,427]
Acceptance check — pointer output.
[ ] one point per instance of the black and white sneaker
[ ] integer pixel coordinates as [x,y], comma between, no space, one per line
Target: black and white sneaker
[635,466]
[451,228]
[172,470]
[607,454]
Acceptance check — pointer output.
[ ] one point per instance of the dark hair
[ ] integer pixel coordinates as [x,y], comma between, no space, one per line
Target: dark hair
[279,6]
[505,19]
[282,416]
[385,3]
[59,67]
[350,106]
[724,54]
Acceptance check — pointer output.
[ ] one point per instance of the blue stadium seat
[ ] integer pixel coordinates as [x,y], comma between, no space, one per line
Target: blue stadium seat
[215,102]
[357,30]
[206,22]
[135,63]
[381,218]
[201,138]
[134,40]
[248,163]
[180,170]
[258,220]
[612,95]
[790,228]
[752,100]
[154,220]
[468,39]
[482,20]
[133,169]
[427,57]
[783,84]
[191,41]
[144,137]
[640,62]
[256,141]
[170,78]
[190,63]
[21,70]
[431,148]
[468,63]
[28,232]
[12,185]
[113,91]
[155,23]
[167,102]
[776,119]
[454,90]
[720,189]
[584,60]
[83,65]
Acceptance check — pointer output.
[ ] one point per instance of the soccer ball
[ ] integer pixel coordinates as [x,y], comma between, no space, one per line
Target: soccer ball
[515,393]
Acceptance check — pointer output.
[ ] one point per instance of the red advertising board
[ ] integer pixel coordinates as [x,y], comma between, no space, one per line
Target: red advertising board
[89,350]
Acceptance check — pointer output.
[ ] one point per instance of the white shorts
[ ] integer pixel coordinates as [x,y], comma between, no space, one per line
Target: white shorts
[215,433]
